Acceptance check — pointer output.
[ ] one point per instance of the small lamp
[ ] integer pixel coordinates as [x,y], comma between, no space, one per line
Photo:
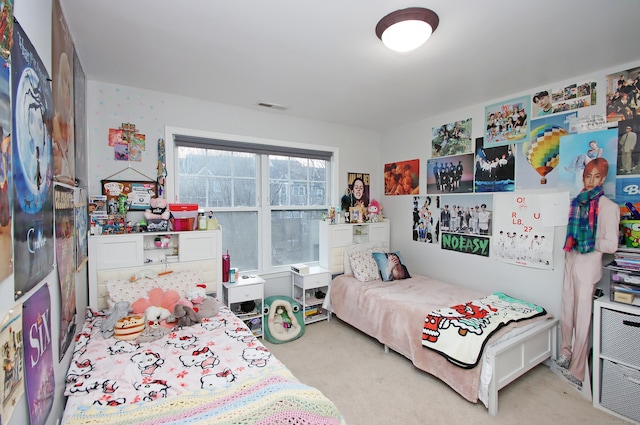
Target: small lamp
[407,29]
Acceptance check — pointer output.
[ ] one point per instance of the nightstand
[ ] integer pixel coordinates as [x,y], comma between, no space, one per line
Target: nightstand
[245,298]
[309,290]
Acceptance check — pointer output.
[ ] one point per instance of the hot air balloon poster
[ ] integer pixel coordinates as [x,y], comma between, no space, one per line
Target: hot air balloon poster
[576,150]
[538,157]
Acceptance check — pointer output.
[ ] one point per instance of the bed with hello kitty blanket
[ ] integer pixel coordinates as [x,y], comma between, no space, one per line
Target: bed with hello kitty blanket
[215,371]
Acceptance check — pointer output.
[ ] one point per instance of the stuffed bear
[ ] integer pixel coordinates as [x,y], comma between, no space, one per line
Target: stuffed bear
[185,316]
[159,210]
[203,305]
[120,309]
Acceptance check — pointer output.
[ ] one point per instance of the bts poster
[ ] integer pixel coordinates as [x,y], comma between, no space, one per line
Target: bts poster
[65,257]
[38,355]
[32,165]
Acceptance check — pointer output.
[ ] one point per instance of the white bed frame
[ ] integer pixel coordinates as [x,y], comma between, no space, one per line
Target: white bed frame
[514,357]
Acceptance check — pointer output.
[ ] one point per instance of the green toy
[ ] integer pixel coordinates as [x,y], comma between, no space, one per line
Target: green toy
[283,319]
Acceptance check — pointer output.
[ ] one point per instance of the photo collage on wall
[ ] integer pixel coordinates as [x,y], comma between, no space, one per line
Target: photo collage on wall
[537,141]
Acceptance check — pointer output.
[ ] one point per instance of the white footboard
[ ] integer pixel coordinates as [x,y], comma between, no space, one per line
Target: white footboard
[514,357]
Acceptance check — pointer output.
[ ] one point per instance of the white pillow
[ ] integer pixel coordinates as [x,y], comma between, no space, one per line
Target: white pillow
[124,290]
[363,265]
[377,246]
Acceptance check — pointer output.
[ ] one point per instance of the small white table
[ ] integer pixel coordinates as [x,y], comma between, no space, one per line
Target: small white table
[304,290]
[239,294]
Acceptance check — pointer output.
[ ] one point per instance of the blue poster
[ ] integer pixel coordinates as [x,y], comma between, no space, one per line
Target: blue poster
[32,165]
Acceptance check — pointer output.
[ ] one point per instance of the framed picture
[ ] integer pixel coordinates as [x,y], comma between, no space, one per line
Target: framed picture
[356,215]
[136,194]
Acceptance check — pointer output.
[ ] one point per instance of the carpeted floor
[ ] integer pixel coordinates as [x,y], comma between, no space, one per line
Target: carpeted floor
[373,388]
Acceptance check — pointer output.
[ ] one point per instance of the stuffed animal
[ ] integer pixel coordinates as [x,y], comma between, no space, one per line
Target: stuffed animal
[196,295]
[142,274]
[209,307]
[153,331]
[159,210]
[120,309]
[373,211]
[185,316]
[165,300]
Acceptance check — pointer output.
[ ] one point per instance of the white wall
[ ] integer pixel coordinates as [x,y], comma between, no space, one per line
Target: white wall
[413,140]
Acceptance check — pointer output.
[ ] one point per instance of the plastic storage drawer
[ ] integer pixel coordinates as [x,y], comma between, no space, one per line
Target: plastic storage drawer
[621,389]
[621,341]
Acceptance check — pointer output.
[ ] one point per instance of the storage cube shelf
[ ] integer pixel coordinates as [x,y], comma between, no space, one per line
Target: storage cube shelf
[244,290]
[616,358]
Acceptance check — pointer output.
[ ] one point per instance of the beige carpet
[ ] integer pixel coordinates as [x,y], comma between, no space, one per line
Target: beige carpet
[373,388]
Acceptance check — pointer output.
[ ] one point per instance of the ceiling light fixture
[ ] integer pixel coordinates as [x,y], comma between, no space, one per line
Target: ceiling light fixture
[407,29]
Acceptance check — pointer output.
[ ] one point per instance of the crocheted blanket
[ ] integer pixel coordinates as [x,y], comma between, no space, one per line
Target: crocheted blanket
[460,332]
[270,396]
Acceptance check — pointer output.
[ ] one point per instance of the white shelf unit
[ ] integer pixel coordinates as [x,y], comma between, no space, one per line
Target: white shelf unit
[616,359]
[191,250]
[334,238]
[245,290]
[304,289]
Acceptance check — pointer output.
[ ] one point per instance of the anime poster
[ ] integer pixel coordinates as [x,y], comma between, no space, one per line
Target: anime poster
[82,227]
[453,174]
[38,355]
[451,139]
[65,258]
[538,157]
[628,147]
[520,235]
[563,99]
[622,95]
[576,150]
[507,122]
[494,168]
[6,177]
[465,223]
[426,219]
[63,121]
[32,164]
[6,29]
[402,178]
[12,361]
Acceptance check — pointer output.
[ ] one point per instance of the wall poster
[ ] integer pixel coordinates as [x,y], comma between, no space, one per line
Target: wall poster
[6,178]
[65,258]
[426,219]
[32,165]
[135,194]
[507,122]
[38,355]
[11,341]
[520,234]
[402,178]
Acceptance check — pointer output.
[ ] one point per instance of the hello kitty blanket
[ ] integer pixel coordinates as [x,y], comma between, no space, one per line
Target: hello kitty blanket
[216,355]
[460,332]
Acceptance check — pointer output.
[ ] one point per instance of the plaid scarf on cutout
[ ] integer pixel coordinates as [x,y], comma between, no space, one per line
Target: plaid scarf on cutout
[583,221]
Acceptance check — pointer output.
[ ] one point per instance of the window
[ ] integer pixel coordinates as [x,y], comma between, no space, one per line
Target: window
[265,197]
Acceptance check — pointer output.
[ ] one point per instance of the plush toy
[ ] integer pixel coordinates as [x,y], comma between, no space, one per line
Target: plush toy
[373,211]
[209,307]
[153,330]
[120,309]
[185,316]
[142,274]
[159,210]
[165,300]
[196,294]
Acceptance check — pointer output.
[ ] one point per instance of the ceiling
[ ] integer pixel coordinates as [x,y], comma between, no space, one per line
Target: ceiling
[322,60]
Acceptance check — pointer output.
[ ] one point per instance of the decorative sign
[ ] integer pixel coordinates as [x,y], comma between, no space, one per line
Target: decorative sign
[123,195]
[468,244]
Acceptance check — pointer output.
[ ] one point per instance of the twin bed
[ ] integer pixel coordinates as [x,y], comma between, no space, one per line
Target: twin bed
[395,312]
[217,371]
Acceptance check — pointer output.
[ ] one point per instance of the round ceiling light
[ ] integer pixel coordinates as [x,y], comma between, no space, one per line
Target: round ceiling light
[407,29]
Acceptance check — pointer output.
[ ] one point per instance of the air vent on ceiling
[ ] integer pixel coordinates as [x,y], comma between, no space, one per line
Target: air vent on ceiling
[272,106]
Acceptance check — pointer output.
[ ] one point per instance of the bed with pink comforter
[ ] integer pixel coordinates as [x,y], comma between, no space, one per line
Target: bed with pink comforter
[394,313]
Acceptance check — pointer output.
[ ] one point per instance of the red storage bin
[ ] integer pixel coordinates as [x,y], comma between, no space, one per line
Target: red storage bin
[184,216]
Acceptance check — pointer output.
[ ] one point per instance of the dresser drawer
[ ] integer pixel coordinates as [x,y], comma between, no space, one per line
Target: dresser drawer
[620,339]
[245,293]
[620,386]
[312,281]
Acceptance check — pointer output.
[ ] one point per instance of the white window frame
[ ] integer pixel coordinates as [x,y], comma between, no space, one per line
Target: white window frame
[264,237]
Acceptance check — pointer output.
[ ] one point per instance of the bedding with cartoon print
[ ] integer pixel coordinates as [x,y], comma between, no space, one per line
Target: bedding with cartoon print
[207,355]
